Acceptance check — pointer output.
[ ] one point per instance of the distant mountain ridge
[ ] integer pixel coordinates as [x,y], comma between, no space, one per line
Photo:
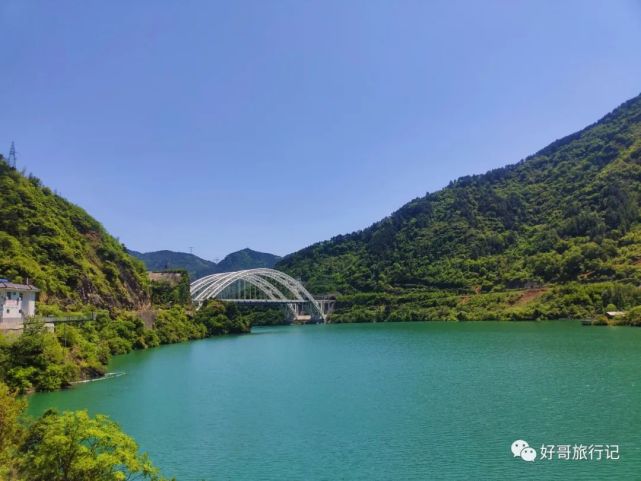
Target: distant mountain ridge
[199,267]
[247,259]
[167,260]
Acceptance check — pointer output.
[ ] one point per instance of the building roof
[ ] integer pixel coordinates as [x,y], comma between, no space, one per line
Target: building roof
[10,286]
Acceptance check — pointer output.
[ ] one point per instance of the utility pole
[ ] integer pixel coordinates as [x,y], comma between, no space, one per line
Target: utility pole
[191,250]
[12,155]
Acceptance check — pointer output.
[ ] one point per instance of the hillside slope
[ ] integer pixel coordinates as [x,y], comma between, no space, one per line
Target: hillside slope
[568,214]
[61,249]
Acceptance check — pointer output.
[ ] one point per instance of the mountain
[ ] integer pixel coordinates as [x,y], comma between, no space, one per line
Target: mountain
[561,223]
[197,267]
[57,246]
[168,260]
[246,259]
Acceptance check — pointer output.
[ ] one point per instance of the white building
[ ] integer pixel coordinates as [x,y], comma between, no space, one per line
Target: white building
[18,301]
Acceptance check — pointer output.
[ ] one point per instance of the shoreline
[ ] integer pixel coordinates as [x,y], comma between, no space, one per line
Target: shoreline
[113,374]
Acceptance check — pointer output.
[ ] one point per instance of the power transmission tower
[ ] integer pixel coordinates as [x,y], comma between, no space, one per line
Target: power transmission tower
[12,155]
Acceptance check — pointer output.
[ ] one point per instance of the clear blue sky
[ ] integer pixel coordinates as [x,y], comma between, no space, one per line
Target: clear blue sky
[275,124]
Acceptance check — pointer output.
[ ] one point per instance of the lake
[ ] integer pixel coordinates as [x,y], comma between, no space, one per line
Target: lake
[380,402]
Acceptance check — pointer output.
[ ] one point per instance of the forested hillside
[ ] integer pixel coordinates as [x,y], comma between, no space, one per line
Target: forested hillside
[80,268]
[561,223]
[58,247]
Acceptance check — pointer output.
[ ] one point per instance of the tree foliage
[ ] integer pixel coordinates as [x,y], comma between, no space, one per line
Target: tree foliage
[69,446]
[172,290]
[72,446]
[219,318]
[44,361]
[11,408]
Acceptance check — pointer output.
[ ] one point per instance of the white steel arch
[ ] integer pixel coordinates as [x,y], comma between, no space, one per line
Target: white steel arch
[275,285]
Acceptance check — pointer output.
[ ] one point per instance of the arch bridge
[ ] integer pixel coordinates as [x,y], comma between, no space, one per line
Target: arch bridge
[262,287]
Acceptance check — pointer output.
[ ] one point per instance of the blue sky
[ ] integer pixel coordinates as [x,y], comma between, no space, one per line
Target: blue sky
[276,124]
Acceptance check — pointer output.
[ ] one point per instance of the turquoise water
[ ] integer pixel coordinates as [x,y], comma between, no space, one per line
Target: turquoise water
[379,401]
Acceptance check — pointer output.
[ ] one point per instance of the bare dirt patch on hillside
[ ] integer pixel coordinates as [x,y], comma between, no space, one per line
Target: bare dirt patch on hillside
[529,295]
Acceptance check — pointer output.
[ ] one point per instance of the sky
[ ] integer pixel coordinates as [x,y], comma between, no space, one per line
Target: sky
[274,124]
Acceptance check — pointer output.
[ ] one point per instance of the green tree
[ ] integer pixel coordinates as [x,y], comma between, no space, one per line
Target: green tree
[219,318]
[633,316]
[10,429]
[39,361]
[73,446]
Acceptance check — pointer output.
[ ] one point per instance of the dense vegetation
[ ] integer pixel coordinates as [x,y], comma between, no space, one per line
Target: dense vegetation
[67,446]
[44,361]
[82,270]
[60,248]
[170,288]
[555,235]
[72,445]
[197,267]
